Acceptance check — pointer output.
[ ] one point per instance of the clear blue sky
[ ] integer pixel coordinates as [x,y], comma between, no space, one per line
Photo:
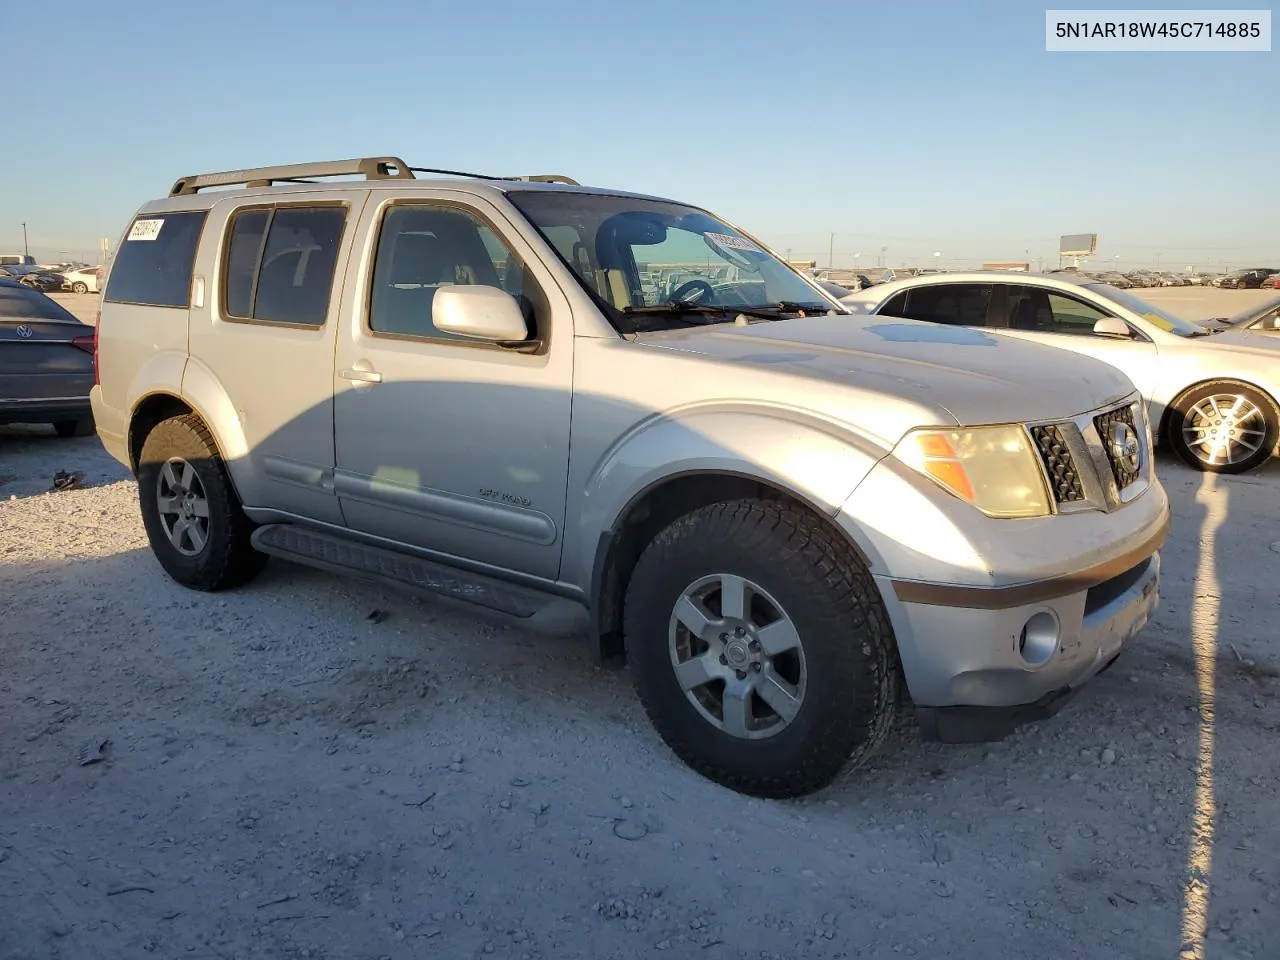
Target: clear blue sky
[912,125]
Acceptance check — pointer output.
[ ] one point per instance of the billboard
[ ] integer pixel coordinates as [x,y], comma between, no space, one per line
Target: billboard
[1077,244]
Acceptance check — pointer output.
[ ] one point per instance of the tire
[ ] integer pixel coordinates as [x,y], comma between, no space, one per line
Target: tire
[75,428]
[79,287]
[850,674]
[218,556]
[1260,425]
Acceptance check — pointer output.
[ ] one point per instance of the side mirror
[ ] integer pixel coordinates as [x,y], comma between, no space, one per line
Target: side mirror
[1113,327]
[479,312]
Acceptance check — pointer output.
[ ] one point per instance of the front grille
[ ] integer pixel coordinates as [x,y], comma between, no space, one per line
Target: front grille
[1124,473]
[1064,479]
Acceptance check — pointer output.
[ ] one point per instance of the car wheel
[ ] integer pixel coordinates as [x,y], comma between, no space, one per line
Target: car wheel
[80,287]
[1223,427]
[75,428]
[760,648]
[192,516]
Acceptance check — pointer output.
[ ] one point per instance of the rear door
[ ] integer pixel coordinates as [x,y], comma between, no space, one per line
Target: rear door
[262,330]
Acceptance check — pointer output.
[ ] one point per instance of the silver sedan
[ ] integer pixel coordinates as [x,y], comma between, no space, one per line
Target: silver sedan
[1212,388]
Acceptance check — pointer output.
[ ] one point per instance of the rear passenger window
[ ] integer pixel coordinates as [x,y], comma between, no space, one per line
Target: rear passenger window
[281,262]
[957,304]
[154,263]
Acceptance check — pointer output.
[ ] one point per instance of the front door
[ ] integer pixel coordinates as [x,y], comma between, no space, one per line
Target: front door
[1063,320]
[453,445]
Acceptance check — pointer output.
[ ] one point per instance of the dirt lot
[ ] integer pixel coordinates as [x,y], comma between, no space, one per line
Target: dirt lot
[282,773]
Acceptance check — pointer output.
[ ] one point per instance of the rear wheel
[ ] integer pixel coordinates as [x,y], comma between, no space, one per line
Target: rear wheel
[80,287]
[192,516]
[760,648]
[1223,427]
[75,428]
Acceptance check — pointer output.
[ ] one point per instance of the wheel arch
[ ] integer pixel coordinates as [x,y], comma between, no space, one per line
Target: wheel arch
[650,510]
[148,413]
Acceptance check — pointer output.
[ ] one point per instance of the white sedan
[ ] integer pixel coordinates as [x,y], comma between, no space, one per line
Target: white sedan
[82,281]
[1212,389]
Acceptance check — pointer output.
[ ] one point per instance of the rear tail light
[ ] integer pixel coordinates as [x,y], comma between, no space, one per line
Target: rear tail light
[89,345]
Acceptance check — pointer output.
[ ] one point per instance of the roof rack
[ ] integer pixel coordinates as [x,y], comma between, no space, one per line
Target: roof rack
[532,178]
[545,178]
[371,168]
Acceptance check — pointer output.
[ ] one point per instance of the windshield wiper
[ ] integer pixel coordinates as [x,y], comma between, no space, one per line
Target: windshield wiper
[794,306]
[699,309]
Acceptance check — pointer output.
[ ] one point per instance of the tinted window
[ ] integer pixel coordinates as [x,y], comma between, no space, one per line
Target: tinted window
[155,268]
[289,278]
[29,304]
[422,248]
[247,230]
[963,304]
[1069,315]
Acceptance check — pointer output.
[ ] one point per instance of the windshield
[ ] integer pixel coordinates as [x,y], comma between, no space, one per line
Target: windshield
[636,256]
[1158,318]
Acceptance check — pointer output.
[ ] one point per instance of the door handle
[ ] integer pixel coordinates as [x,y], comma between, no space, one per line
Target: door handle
[361,373]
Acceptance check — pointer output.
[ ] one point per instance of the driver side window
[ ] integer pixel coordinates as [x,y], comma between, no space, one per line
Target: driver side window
[424,247]
[1069,315]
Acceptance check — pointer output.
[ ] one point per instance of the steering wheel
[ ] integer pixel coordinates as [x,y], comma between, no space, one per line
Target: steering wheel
[681,292]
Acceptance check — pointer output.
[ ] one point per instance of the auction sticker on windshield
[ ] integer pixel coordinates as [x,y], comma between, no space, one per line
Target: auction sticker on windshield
[145,229]
[733,243]
[1157,321]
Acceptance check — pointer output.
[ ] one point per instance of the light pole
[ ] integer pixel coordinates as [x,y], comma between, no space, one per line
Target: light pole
[937,262]
[884,260]
[25,251]
[831,247]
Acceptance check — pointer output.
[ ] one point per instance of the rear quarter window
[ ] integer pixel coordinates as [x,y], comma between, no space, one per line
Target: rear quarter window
[154,263]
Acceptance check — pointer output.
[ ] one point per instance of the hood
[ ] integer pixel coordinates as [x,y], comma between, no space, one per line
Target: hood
[974,376]
[1254,342]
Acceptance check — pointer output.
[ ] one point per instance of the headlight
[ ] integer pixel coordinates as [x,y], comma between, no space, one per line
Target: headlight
[993,468]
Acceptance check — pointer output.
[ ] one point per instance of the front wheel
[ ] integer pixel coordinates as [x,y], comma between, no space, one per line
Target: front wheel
[1223,427]
[190,510]
[760,648]
[80,287]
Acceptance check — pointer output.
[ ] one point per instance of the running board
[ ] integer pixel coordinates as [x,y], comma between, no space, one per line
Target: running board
[528,607]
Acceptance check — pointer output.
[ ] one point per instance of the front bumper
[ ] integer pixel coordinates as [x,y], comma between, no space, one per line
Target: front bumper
[996,690]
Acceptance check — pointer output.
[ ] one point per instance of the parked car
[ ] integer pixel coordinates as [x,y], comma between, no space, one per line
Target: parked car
[1212,396]
[1249,279]
[1117,280]
[771,509]
[32,277]
[1270,282]
[1259,318]
[46,362]
[83,280]
[834,289]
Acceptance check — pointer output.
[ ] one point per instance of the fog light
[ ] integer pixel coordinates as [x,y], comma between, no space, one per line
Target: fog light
[1039,639]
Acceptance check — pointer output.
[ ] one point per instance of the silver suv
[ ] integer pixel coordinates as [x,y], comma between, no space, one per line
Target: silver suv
[591,410]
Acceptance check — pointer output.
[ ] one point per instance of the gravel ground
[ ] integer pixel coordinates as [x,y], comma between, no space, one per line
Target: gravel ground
[311,767]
